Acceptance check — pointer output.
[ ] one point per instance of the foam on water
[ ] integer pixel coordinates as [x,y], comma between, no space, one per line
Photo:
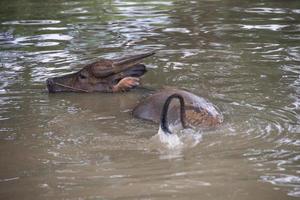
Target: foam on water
[171,141]
[176,142]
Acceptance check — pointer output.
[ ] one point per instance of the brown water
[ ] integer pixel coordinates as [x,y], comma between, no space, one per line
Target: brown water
[244,56]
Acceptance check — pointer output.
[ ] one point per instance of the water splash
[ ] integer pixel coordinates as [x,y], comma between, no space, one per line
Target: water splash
[172,145]
[170,141]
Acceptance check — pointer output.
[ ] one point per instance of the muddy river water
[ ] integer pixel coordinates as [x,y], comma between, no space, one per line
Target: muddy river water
[244,56]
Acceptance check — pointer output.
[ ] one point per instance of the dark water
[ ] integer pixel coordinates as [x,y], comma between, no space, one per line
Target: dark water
[244,56]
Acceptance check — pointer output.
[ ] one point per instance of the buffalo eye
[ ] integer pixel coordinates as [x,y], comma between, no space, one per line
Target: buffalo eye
[82,76]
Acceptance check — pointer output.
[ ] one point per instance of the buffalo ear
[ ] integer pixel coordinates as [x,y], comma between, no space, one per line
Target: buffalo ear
[102,68]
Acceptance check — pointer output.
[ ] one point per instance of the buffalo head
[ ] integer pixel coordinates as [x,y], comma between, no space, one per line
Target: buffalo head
[102,76]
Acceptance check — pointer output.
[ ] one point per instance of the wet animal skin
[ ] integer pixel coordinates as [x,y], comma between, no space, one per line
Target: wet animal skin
[197,111]
[105,75]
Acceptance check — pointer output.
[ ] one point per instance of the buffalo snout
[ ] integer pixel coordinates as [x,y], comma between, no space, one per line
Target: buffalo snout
[50,85]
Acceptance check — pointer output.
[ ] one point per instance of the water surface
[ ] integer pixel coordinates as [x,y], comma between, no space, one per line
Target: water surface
[242,56]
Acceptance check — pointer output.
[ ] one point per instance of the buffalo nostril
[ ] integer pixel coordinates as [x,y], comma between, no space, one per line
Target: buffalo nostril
[50,84]
[49,81]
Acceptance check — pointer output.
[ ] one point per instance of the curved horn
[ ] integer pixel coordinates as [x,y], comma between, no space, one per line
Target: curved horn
[127,62]
[164,114]
[118,65]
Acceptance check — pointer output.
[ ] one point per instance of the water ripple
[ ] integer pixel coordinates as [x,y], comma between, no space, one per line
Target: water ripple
[31,22]
[272,27]
[243,57]
[261,10]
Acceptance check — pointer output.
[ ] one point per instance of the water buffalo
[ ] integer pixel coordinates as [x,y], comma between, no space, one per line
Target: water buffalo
[104,75]
[192,110]
[123,74]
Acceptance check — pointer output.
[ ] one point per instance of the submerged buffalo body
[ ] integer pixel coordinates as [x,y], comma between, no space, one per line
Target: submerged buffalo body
[102,76]
[197,111]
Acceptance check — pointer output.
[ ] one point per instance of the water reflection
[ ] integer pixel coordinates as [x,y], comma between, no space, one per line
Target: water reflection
[272,27]
[243,57]
[31,22]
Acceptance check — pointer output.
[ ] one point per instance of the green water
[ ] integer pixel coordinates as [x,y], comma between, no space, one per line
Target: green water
[244,56]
